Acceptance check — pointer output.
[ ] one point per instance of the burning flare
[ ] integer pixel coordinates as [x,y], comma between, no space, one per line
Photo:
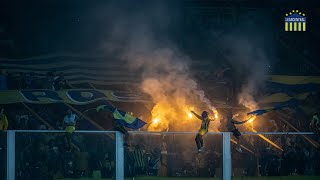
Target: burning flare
[155,121]
[165,113]
[252,118]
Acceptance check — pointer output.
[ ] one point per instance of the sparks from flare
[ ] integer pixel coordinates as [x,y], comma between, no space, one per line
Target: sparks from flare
[250,124]
[178,116]
[155,120]
[252,118]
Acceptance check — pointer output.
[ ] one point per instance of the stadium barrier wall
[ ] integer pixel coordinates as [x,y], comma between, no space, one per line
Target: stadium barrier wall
[227,168]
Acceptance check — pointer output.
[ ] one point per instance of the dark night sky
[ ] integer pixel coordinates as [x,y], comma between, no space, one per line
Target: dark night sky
[41,27]
[59,25]
[52,26]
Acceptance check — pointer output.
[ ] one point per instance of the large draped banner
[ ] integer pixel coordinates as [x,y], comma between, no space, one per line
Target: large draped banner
[72,96]
[279,90]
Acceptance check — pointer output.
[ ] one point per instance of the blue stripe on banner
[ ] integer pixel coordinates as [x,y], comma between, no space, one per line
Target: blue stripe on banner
[291,89]
[135,125]
[106,83]
[291,103]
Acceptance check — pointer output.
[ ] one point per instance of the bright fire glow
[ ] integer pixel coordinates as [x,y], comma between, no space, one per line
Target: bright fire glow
[177,115]
[155,121]
[252,119]
[252,105]
[173,96]
[216,115]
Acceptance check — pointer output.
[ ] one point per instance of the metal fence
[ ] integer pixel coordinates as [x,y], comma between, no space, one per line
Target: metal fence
[119,147]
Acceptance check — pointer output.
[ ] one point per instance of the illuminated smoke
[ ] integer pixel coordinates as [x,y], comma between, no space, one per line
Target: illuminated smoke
[249,61]
[164,69]
[171,88]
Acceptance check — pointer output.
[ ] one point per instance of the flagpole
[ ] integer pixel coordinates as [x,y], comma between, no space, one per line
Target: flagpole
[87,118]
[314,143]
[37,115]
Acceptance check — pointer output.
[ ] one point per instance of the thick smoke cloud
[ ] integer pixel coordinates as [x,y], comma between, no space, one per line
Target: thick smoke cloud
[142,39]
[247,50]
[249,59]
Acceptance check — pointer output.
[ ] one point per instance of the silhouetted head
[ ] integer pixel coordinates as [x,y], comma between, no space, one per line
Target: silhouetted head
[204,114]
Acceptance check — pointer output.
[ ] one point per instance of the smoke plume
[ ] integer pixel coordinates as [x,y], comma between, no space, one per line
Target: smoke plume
[164,68]
[249,53]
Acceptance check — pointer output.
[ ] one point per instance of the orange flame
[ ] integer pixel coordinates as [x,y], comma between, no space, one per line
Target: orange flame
[155,121]
[216,116]
[179,117]
[252,118]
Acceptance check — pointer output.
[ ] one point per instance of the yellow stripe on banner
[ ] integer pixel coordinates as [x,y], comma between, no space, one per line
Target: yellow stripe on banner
[14,96]
[286,26]
[294,79]
[282,97]
[295,26]
[304,26]
[299,26]
[290,28]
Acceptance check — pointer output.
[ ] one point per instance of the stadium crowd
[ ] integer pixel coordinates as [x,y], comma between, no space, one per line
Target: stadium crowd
[61,155]
[29,80]
[50,156]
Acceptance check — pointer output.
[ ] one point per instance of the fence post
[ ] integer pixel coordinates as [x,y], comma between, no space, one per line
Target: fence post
[226,156]
[119,156]
[11,150]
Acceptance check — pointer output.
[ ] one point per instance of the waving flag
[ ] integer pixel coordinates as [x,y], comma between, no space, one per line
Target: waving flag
[122,117]
[259,112]
[290,103]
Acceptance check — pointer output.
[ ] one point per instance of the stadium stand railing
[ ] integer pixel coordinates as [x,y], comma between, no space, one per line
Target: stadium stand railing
[95,142]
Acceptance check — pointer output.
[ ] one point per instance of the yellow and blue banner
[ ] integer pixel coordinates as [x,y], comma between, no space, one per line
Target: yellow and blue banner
[277,106]
[286,91]
[123,117]
[71,96]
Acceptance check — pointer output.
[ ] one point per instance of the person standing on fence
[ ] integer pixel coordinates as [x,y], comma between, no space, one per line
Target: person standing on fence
[232,128]
[203,129]
[69,122]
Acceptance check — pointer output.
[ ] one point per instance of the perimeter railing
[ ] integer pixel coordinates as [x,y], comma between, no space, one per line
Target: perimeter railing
[173,145]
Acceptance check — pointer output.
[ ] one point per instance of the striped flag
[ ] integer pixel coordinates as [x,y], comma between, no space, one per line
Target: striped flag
[122,117]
